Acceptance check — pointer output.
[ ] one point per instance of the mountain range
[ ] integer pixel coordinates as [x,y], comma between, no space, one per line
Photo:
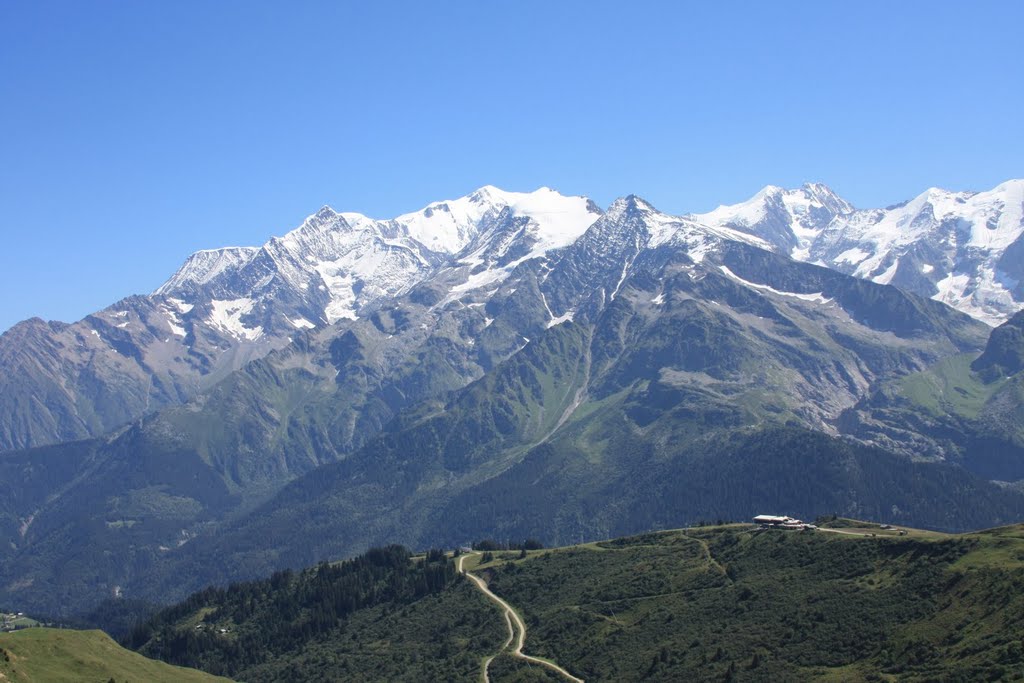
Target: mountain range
[518,365]
[962,248]
[225,307]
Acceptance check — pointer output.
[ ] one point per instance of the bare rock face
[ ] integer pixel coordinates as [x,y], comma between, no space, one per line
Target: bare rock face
[1004,354]
[71,381]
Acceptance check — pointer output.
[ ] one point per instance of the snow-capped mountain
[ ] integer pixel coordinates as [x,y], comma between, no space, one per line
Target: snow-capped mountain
[228,306]
[335,265]
[965,249]
[635,345]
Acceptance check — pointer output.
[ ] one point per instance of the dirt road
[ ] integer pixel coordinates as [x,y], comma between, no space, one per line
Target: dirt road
[846,533]
[517,633]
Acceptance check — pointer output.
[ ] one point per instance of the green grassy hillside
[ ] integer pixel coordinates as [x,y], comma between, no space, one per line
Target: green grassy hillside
[45,655]
[722,603]
[949,387]
[738,603]
[383,616]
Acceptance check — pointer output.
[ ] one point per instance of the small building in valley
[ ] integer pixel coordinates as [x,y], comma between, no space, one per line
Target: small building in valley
[782,522]
[773,520]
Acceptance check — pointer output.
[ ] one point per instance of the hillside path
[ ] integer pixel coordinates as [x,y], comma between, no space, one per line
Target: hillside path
[845,533]
[518,633]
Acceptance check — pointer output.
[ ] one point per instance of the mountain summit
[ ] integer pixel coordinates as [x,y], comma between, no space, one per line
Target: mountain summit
[965,249]
[789,219]
[336,264]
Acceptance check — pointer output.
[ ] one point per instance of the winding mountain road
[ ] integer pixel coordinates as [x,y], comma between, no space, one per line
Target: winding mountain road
[517,633]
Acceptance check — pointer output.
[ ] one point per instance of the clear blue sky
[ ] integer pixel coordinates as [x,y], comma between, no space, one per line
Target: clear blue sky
[134,133]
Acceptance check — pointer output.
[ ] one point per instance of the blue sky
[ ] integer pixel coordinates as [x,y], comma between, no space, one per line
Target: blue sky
[134,133]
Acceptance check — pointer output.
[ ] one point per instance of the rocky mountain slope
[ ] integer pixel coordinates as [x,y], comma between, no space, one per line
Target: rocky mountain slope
[225,307]
[966,409]
[228,306]
[651,351]
[965,249]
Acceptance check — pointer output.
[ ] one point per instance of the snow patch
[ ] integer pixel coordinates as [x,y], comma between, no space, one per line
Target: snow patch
[555,319]
[339,284]
[481,279]
[951,288]
[181,305]
[816,297]
[801,254]
[886,277]
[854,256]
[625,267]
[171,316]
[301,323]
[565,317]
[226,316]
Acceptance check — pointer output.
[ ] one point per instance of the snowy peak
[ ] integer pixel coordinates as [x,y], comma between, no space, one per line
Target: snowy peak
[825,196]
[963,248]
[450,226]
[334,265]
[204,266]
[325,215]
[995,216]
[625,208]
[789,219]
[556,220]
[632,219]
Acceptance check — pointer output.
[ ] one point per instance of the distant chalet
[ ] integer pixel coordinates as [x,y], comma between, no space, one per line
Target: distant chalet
[777,522]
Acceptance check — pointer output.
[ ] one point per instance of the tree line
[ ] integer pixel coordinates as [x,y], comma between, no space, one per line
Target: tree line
[226,630]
